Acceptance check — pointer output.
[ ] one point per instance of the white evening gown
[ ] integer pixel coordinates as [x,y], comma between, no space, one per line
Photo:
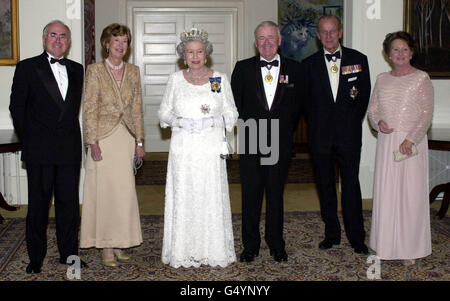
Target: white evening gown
[197,215]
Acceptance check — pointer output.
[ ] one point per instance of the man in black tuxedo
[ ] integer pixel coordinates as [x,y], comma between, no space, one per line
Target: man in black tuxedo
[336,89]
[45,101]
[265,90]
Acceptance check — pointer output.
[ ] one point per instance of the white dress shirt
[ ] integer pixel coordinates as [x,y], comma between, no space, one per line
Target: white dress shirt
[270,88]
[334,77]
[60,73]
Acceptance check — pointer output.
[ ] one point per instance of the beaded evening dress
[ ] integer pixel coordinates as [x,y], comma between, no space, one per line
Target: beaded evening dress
[401,216]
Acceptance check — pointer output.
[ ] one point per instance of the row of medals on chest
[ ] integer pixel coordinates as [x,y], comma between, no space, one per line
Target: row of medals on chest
[269,78]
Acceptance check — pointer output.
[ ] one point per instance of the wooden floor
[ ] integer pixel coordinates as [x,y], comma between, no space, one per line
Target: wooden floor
[297,197]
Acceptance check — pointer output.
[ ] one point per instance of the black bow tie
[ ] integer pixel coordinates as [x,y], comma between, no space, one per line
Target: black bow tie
[337,55]
[61,61]
[272,63]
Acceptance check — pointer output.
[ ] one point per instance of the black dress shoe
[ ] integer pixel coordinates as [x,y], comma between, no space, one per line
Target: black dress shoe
[328,244]
[248,256]
[33,268]
[64,261]
[279,256]
[361,249]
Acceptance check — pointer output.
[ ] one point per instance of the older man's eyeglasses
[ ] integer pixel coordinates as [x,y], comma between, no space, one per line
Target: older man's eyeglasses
[56,36]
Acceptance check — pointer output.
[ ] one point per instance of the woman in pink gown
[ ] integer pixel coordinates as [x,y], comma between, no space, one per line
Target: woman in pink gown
[401,109]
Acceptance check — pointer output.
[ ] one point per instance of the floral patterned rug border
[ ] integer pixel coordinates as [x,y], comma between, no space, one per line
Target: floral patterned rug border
[303,232]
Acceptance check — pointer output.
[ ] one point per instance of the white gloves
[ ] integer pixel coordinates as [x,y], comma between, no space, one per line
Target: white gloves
[169,118]
[185,123]
[218,121]
[203,123]
[194,125]
[207,122]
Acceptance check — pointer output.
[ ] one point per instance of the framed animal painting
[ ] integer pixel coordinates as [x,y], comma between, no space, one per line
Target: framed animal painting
[298,24]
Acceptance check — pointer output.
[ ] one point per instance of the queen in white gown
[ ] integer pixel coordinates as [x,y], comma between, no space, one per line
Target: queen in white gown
[197,216]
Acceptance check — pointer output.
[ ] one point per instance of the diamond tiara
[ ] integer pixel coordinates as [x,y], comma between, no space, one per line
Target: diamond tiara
[194,34]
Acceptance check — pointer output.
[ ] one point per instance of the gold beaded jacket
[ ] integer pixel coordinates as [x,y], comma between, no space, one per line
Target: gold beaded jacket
[105,104]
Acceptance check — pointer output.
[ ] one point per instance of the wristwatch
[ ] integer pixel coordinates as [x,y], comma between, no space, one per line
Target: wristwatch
[139,143]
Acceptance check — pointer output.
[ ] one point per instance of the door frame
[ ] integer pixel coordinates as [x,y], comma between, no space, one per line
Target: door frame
[236,7]
[238,18]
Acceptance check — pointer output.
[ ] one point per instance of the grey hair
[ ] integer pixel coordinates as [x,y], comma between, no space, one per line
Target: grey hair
[181,47]
[267,23]
[45,31]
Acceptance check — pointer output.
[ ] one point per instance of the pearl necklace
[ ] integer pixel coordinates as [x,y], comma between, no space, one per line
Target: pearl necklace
[196,78]
[112,66]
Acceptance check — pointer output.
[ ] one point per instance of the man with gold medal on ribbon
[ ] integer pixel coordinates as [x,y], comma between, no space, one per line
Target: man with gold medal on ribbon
[336,89]
[265,89]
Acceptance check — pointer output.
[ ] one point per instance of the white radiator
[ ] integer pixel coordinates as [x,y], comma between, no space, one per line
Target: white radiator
[13,179]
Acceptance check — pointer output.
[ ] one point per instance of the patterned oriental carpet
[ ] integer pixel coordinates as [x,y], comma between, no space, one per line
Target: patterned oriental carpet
[303,232]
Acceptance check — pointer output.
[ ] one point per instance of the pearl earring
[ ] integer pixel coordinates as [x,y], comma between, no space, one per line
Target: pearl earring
[185,63]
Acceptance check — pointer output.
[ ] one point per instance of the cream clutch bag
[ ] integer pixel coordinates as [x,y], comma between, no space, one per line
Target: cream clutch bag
[398,156]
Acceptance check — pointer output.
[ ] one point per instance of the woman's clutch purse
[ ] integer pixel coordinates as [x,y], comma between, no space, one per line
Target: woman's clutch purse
[398,156]
[226,149]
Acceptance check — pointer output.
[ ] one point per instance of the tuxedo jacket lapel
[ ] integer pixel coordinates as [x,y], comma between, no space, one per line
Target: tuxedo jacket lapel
[344,62]
[323,75]
[71,86]
[46,75]
[68,102]
[279,92]
[261,94]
